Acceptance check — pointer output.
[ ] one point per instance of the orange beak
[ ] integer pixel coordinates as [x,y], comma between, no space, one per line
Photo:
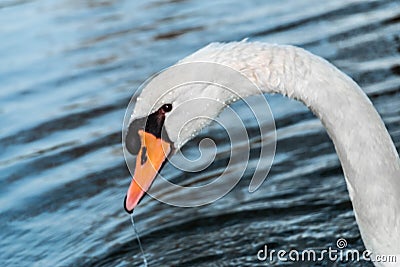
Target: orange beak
[151,156]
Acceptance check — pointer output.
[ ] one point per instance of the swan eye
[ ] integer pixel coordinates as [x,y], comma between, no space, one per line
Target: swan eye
[166,107]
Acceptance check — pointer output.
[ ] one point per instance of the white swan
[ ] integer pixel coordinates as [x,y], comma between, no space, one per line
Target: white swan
[368,156]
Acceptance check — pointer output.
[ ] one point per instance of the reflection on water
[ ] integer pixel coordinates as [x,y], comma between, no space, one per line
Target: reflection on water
[68,70]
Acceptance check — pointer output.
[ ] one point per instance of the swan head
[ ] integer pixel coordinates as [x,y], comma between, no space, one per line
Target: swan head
[163,120]
[172,108]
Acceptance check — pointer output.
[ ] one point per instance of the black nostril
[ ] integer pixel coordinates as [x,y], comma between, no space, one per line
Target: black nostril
[143,157]
[128,211]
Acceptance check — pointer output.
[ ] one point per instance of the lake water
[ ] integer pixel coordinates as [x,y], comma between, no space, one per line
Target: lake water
[67,72]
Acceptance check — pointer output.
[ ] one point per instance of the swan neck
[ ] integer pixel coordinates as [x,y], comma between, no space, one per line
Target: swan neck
[365,149]
[367,154]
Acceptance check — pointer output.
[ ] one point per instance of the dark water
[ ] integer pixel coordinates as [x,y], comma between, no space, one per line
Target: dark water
[67,72]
